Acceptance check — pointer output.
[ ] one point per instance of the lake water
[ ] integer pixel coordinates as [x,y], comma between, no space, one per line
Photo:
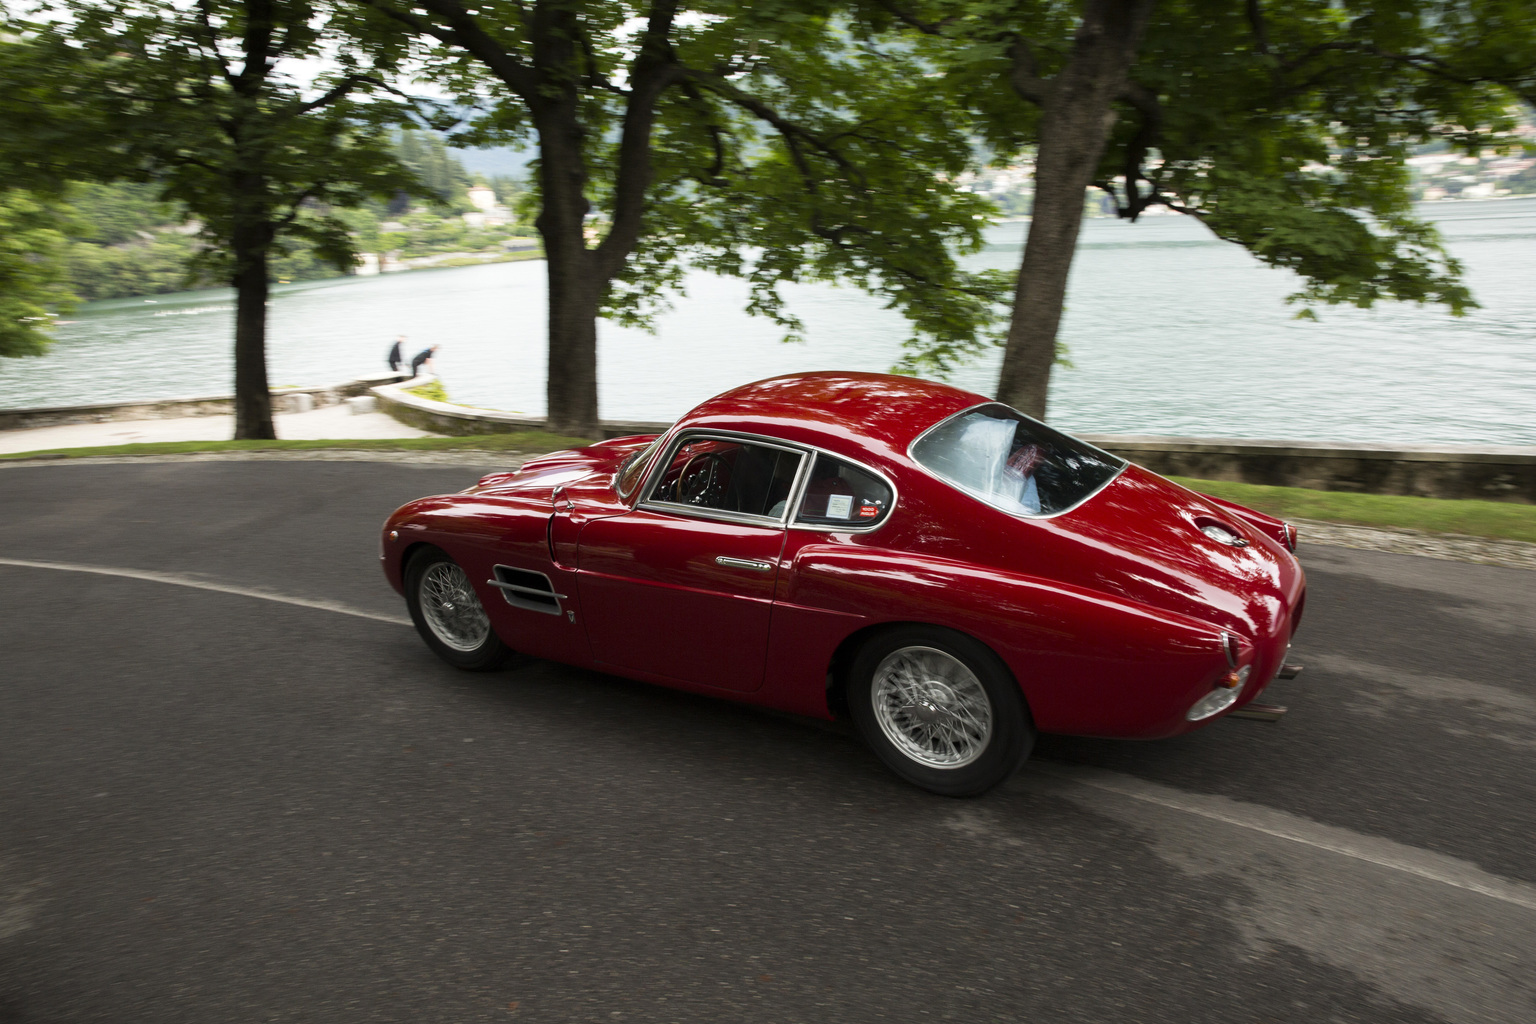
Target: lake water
[1170,332]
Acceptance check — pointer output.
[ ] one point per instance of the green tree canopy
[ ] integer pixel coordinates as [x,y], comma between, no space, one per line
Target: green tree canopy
[209,101]
[1282,125]
[426,156]
[32,283]
[42,144]
[766,140]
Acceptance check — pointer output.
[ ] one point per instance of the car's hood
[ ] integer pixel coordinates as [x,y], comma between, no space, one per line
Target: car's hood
[585,475]
[1140,537]
[541,475]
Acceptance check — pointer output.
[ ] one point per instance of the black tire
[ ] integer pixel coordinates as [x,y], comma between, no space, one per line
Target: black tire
[940,709]
[457,630]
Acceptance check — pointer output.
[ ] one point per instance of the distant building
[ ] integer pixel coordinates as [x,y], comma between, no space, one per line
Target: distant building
[488,212]
[483,198]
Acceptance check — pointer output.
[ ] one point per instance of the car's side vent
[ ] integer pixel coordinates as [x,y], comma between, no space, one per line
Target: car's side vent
[525,589]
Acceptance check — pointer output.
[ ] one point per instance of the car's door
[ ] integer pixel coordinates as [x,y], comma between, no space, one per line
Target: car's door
[682,586]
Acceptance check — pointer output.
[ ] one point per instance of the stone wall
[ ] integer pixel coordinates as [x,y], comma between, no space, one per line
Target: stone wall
[466,421]
[1490,474]
[284,400]
[1495,474]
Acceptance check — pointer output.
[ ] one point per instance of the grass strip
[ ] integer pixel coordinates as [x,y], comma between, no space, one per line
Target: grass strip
[1496,519]
[534,441]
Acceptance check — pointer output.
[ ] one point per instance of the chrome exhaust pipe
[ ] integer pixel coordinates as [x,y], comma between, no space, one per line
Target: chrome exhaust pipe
[1260,712]
[1288,672]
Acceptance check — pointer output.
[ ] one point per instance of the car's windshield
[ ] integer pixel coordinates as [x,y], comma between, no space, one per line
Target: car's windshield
[1018,464]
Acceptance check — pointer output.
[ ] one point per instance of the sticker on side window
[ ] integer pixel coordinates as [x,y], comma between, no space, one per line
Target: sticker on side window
[839,505]
[868,511]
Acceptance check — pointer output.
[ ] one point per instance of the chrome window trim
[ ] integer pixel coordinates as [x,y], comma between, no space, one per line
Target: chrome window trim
[654,475]
[1008,511]
[645,470]
[718,515]
[808,453]
[799,495]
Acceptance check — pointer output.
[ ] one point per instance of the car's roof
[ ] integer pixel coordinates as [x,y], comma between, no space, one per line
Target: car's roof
[853,413]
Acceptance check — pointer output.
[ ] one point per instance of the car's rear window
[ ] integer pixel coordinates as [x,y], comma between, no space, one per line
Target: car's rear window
[1018,464]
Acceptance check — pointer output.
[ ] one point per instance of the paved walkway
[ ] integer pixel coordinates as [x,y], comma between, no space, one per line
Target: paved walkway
[332,421]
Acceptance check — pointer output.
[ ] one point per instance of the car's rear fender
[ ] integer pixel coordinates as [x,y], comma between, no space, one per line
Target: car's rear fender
[1087,662]
[1277,530]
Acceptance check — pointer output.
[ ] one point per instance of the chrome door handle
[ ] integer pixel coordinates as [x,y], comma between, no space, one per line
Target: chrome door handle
[744,563]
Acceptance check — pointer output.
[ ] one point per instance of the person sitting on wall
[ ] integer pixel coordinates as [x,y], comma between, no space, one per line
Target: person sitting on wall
[423,358]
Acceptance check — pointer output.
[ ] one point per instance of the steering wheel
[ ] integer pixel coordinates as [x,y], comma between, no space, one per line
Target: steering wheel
[703,480]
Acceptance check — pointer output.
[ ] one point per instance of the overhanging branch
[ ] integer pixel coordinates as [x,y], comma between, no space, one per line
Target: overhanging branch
[462,30]
[796,137]
[208,40]
[906,17]
[1260,31]
[1024,75]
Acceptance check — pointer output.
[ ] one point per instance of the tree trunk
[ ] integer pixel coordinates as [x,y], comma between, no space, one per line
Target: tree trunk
[575,284]
[1076,117]
[571,387]
[253,397]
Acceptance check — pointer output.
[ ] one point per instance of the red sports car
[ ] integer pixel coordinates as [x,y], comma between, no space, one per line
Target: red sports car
[947,572]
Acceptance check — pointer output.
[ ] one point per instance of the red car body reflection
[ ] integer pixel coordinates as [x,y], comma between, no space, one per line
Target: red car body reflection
[1114,617]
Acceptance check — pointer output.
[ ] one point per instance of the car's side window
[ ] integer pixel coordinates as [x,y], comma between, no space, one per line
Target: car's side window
[839,493]
[728,476]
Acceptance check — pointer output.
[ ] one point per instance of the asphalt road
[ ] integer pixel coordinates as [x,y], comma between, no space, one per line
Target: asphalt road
[234,786]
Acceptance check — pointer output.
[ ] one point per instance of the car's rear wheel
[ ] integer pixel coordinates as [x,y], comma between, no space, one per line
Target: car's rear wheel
[940,709]
[448,614]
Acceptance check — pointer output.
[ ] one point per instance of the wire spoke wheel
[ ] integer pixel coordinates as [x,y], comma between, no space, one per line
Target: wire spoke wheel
[931,707]
[451,609]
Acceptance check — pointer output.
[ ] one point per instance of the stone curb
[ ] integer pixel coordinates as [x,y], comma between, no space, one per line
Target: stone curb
[1454,547]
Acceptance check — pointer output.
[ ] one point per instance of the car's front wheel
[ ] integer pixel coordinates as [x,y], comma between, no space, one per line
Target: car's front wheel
[940,709]
[448,614]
